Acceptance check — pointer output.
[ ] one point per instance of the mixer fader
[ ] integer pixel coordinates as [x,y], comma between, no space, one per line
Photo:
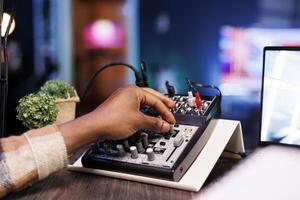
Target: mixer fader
[161,155]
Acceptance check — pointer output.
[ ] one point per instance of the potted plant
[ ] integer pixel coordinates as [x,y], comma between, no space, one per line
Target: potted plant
[55,103]
[65,98]
[37,110]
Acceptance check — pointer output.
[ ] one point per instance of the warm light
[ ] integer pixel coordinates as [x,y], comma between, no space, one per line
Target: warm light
[5,21]
[102,34]
[104,30]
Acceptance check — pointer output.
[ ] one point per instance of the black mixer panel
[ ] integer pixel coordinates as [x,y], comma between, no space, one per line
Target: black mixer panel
[159,155]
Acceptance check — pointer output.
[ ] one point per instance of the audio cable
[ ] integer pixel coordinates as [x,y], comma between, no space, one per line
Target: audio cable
[193,86]
[140,77]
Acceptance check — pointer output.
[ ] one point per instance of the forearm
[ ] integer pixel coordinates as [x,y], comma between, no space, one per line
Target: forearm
[81,131]
[37,153]
[31,157]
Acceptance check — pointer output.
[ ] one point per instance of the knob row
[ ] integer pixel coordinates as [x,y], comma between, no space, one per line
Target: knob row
[135,154]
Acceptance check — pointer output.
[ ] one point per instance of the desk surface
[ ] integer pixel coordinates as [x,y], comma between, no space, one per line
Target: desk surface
[71,185]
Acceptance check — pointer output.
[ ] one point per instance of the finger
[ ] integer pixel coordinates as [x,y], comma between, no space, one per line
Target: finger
[153,101]
[169,102]
[155,124]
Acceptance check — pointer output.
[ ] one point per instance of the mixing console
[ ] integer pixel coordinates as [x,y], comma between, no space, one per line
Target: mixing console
[166,156]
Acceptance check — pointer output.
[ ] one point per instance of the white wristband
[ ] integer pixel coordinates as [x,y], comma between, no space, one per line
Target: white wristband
[49,152]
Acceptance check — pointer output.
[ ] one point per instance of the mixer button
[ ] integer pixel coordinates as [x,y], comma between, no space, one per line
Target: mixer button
[167,136]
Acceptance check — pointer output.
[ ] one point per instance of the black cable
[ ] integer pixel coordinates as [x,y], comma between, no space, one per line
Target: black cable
[144,73]
[139,78]
[193,86]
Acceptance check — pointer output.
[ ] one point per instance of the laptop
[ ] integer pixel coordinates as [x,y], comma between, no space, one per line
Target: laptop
[280,96]
[270,172]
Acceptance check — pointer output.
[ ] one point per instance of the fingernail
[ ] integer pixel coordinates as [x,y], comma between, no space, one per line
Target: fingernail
[165,127]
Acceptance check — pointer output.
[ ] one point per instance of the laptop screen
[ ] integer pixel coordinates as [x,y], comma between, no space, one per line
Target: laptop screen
[280,119]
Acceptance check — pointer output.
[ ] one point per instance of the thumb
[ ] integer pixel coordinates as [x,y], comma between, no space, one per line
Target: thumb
[155,124]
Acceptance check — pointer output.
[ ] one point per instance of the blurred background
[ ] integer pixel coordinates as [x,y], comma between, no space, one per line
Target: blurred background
[211,42]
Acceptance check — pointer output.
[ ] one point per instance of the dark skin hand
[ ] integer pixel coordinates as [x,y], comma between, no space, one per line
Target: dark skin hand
[119,117]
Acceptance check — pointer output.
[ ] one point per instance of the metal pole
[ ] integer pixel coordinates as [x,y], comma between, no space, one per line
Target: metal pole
[4,67]
[2,79]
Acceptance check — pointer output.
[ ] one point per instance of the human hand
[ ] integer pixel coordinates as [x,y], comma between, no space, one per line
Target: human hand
[119,117]
[120,114]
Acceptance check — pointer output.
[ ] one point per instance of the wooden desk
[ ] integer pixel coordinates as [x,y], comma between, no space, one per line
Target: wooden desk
[71,185]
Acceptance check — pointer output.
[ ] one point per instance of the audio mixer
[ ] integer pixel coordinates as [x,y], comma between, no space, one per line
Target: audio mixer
[160,155]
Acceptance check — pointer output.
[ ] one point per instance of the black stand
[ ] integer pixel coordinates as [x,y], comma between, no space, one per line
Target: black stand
[3,87]
[3,105]
[3,70]
[3,80]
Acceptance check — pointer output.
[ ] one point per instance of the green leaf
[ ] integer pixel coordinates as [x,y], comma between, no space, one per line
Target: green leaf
[37,110]
[58,89]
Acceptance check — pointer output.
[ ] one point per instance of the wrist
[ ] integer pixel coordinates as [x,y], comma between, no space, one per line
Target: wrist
[80,131]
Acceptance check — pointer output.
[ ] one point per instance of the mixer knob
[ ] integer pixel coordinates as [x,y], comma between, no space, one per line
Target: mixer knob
[145,140]
[106,145]
[134,152]
[140,147]
[150,154]
[178,140]
[174,129]
[126,145]
[120,150]
[205,105]
[182,111]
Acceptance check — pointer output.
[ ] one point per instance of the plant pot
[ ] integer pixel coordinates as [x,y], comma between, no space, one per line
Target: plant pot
[66,109]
